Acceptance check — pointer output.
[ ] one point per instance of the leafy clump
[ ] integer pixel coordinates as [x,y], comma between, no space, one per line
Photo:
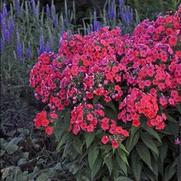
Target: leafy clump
[100,87]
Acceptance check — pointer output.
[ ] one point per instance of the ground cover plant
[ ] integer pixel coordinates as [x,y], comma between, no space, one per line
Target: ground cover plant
[111,97]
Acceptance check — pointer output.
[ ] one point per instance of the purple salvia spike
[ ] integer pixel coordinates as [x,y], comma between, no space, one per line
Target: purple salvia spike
[37,11]
[42,44]
[48,13]
[1,17]
[1,45]
[96,24]
[55,21]
[11,25]
[121,5]
[29,52]
[16,5]
[4,30]
[127,15]
[111,10]
[47,47]
[5,11]
[61,34]
[19,47]
[33,4]
[53,10]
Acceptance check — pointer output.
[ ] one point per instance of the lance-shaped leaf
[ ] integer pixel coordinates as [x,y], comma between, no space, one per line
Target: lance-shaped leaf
[92,155]
[133,139]
[148,141]
[144,154]
[89,139]
[136,166]
[153,133]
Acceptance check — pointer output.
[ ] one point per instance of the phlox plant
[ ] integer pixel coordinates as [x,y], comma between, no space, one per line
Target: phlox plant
[109,97]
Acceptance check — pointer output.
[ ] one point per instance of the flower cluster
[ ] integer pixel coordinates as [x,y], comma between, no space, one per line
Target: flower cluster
[112,81]
[41,119]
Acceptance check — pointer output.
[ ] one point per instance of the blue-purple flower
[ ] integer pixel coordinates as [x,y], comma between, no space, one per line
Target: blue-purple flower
[126,14]
[41,44]
[111,10]
[16,4]
[96,24]
[19,47]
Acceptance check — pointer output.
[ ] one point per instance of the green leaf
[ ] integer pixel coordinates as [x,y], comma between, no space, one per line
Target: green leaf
[133,139]
[77,144]
[171,129]
[63,140]
[92,156]
[170,118]
[170,171]
[105,179]
[96,168]
[147,140]
[179,166]
[136,166]
[109,163]
[89,139]
[121,178]
[179,108]
[11,148]
[148,175]
[42,176]
[61,127]
[110,105]
[153,133]
[155,167]
[163,151]
[110,113]
[96,99]
[122,147]
[144,154]
[123,156]
[121,165]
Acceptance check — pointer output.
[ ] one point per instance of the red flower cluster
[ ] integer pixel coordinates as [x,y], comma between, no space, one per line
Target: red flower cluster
[42,120]
[138,76]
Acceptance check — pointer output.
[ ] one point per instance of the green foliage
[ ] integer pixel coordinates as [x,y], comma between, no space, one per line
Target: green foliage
[151,8]
[143,158]
[25,158]
[148,155]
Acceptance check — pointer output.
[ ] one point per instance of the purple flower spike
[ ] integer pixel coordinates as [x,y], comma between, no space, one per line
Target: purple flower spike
[127,15]
[4,30]
[19,48]
[37,11]
[121,4]
[35,8]
[16,4]
[96,24]
[4,11]
[11,25]
[33,5]
[42,44]
[53,11]
[29,53]
[111,10]
[1,45]
[47,47]
[48,13]
[55,21]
